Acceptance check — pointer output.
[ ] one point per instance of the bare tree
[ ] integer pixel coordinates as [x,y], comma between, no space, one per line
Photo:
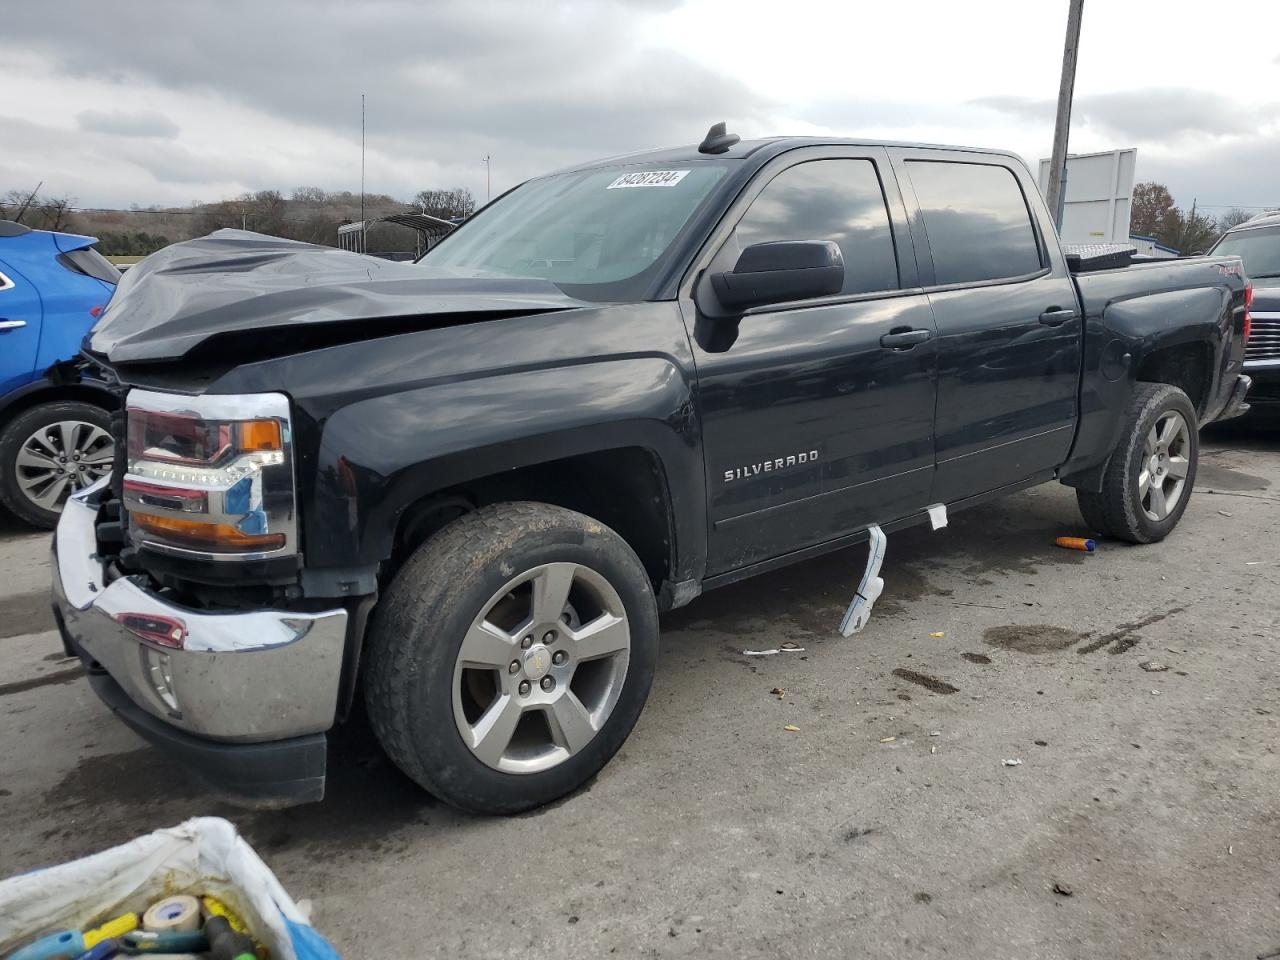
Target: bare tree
[1233,217]
[48,213]
[309,195]
[448,204]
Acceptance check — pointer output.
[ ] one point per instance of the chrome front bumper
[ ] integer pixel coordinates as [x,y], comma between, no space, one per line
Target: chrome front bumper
[237,676]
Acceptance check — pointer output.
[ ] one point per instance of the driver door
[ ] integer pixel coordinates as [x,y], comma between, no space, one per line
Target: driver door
[815,425]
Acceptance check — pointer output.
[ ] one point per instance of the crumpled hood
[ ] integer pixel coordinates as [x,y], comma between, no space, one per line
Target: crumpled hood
[235,281]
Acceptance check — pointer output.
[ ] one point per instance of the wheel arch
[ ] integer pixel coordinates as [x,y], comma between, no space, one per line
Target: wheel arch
[48,391]
[625,488]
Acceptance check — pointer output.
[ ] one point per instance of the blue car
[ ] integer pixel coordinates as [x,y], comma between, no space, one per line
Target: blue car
[55,418]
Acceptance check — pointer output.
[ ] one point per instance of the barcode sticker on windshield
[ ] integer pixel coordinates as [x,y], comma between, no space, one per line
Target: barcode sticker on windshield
[649,178]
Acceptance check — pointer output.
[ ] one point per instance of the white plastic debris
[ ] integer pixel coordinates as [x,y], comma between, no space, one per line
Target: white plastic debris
[870,587]
[1012,763]
[772,652]
[938,515]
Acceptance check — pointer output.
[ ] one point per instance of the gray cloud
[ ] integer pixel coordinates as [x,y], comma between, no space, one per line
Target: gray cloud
[142,123]
[1024,108]
[535,86]
[1146,115]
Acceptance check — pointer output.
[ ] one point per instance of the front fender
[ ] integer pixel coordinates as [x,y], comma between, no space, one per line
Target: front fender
[380,455]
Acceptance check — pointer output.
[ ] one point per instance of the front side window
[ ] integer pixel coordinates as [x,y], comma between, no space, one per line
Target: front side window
[977,221]
[839,200]
[600,234]
[1259,248]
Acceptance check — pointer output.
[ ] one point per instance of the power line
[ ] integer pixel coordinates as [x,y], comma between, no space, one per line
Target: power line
[1242,206]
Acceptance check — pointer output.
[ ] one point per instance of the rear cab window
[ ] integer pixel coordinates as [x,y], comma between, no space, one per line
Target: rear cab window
[977,220]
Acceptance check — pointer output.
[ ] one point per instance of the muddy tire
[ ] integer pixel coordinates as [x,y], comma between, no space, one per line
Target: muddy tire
[511,656]
[47,453]
[1148,483]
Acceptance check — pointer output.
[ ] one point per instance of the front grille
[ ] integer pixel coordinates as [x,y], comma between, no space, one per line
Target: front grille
[1264,340]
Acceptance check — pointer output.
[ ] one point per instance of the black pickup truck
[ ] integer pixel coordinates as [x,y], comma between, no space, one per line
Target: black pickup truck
[464,489]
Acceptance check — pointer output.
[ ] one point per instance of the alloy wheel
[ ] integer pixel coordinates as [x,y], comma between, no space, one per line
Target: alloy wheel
[59,459]
[541,668]
[1162,471]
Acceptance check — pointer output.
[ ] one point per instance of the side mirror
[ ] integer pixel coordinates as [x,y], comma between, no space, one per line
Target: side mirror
[781,272]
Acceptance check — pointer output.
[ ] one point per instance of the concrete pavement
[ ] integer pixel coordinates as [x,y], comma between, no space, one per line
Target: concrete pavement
[1150,796]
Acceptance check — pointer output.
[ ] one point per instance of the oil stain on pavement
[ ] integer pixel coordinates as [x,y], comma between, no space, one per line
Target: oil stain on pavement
[1032,638]
[1122,638]
[932,684]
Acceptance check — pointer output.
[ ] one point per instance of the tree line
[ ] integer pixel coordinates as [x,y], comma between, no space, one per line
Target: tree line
[308,213]
[1154,214]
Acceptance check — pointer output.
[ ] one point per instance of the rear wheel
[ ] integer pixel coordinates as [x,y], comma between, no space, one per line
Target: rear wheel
[1148,482]
[49,452]
[511,656]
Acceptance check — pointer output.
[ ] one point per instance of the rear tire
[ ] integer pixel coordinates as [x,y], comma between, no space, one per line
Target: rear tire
[31,454]
[481,692]
[1148,482]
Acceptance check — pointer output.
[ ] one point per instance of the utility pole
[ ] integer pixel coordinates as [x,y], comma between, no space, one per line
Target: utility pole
[1066,90]
[364,229]
[488,192]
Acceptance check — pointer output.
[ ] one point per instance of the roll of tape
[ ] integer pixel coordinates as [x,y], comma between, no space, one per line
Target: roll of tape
[180,914]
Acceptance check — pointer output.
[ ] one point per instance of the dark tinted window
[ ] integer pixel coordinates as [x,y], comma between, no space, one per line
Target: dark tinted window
[838,200]
[1258,247]
[91,263]
[977,220]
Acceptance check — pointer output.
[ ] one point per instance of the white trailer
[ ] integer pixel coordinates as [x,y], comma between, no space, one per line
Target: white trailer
[1098,196]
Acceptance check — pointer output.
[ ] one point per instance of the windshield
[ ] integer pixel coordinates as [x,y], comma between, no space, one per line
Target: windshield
[1258,248]
[598,234]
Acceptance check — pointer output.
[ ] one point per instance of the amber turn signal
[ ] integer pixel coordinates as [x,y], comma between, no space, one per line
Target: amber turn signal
[201,535]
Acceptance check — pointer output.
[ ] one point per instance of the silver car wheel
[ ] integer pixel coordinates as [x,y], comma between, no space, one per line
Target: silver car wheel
[61,458]
[1162,471]
[541,668]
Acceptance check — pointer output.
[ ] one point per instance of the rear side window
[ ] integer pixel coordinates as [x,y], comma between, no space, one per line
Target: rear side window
[91,263]
[838,200]
[977,220]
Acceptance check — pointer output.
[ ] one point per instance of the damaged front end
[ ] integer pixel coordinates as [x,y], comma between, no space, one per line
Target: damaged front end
[180,581]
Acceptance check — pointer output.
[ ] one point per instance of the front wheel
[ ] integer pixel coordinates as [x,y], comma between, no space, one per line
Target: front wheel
[50,451]
[1148,482]
[511,656]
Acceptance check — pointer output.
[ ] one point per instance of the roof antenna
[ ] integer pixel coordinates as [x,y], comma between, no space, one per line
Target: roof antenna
[717,141]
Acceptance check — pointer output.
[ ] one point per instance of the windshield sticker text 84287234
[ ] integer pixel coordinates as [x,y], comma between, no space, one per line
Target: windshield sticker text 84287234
[649,178]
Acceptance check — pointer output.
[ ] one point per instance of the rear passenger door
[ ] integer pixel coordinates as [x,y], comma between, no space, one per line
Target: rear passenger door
[20,315]
[1009,347]
[813,424]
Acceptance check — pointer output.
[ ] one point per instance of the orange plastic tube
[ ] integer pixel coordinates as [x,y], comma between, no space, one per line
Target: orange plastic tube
[1076,543]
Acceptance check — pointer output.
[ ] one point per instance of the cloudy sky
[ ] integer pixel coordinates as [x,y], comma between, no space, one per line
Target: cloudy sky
[153,101]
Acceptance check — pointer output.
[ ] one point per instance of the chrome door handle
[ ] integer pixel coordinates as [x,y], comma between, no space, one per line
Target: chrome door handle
[12,324]
[1053,317]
